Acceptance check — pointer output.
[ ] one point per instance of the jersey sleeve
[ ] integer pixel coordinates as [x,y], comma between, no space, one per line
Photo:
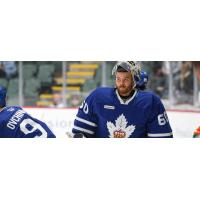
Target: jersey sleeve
[85,124]
[158,125]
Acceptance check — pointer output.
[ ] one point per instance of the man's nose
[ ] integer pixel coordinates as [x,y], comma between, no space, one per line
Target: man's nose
[121,83]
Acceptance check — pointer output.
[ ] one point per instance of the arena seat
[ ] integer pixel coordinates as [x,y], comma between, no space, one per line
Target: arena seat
[3,82]
[13,88]
[29,70]
[32,87]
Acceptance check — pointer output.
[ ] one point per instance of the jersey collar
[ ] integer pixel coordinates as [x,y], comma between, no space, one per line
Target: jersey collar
[128,101]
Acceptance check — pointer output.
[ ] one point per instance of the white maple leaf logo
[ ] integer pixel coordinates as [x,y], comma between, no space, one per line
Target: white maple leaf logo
[120,128]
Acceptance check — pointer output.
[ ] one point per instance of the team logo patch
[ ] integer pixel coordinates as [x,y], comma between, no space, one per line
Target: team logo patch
[120,129]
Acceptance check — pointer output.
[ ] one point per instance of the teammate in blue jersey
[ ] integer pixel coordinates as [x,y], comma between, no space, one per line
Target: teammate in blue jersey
[124,111]
[16,123]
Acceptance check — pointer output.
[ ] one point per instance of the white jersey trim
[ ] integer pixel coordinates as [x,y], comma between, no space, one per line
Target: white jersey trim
[83,130]
[86,122]
[3,108]
[128,101]
[160,135]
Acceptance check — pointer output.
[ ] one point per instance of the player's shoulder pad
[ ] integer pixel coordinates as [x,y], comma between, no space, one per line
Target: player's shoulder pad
[101,93]
[12,108]
[148,96]
[102,90]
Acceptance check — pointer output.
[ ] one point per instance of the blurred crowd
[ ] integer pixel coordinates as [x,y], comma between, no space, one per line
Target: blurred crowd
[180,73]
[182,78]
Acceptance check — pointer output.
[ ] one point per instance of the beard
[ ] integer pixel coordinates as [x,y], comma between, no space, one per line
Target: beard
[124,90]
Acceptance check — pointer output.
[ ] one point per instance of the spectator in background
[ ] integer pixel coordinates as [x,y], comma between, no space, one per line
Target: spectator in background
[76,100]
[58,101]
[159,79]
[10,68]
[196,65]
[186,79]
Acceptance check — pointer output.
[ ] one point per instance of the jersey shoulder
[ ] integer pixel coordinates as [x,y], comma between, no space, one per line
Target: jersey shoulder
[147,100]
[11,109]
[148,96]
[101,94]
[103,91]
[8,111]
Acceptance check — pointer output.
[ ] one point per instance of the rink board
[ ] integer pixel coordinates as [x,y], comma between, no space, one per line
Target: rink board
[61,120]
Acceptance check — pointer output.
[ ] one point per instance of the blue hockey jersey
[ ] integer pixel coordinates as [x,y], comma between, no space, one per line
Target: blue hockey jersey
[104,114]
[16,123]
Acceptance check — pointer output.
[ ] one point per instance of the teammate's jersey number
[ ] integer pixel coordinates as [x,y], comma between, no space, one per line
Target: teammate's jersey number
[34,126]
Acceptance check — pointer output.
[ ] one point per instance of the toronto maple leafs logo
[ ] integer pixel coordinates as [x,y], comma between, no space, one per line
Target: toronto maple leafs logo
[120,129]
